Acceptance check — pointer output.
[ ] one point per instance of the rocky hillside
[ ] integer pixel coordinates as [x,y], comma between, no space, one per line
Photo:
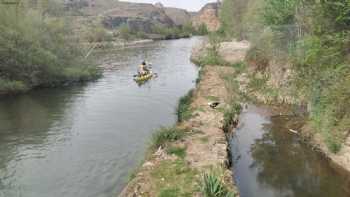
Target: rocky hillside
[208,15]
[179,16]
[138,16]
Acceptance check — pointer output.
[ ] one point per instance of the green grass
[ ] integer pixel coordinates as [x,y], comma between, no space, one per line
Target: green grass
[184,110]
[169,192]
[178,151]
[212,98]
[174,178]
[230,115]
[165,135]
[212,185]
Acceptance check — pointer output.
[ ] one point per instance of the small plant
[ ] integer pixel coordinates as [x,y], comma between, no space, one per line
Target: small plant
[178,151]
[184,111]
[230,115]
[165,135]
[212,185]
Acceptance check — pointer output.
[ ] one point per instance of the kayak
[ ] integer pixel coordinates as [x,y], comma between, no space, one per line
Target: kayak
[143,78]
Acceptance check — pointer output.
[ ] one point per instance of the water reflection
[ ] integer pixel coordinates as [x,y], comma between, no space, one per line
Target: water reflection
[273,161]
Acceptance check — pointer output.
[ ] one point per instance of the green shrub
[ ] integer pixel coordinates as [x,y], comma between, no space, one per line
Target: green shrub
[231,116]
[212,185]
[165,135]
[202,29]
[99,34]
[38,51]
[124,32]
[8,86]
[184,110]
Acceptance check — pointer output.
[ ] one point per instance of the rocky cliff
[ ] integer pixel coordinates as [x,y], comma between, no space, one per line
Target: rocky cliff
[137,16]
[179,16]
[208,15]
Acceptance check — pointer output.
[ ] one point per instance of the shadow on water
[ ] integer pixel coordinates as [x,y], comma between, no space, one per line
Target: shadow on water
[270,161]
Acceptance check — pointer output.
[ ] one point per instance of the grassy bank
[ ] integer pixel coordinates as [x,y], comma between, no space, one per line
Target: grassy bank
[178,161]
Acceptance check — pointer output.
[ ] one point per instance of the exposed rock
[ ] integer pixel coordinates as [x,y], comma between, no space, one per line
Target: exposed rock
[208,15]
[234,51]
[179,16]
[138,17]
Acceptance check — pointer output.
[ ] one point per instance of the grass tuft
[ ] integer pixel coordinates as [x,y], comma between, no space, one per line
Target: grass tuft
[165,135]
[178,151]
[212,185]
[230,115]
[184,110]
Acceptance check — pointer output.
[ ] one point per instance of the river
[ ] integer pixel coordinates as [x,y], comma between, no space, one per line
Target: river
[85,140]
[271,161]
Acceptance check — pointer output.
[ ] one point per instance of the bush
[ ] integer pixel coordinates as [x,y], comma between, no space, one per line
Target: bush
[165,135]
[124,32]
[184,111]
[202,29]
[99,34]
[38,51]
[231,116]
[8,86]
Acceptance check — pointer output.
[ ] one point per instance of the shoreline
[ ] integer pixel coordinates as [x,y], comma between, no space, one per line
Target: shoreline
[205,142]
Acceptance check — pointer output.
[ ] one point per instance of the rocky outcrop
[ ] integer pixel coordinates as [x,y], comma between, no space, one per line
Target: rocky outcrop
[138,17]
[208,15]
[179,16]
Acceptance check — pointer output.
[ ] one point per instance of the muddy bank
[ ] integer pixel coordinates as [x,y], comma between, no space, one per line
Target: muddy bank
[205,145]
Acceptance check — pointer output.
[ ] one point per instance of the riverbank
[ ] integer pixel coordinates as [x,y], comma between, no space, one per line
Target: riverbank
[266,87]
[178,167]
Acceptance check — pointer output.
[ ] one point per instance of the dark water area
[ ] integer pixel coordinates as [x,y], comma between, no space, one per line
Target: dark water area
[271,161]
[85,140]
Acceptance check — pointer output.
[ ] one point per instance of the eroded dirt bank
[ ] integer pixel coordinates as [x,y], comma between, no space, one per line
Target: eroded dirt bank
[205,145]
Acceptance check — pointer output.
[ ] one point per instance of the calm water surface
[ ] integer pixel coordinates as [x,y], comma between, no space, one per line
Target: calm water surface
[270,161]
[84,141]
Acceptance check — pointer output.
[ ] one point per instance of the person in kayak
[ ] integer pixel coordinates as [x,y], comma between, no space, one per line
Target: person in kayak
[143,70]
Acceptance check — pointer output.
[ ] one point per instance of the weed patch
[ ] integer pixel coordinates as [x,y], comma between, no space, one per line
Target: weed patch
[175,178]
[165,135]
[231,116]
[178,151]
[184,110]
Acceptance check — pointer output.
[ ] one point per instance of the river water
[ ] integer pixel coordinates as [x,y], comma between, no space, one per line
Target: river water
[270,161]
[85,140]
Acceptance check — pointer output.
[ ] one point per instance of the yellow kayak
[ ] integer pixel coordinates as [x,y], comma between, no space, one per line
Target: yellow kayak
[143,78]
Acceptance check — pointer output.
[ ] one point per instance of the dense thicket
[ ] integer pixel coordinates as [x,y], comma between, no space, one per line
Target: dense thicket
[38,49]
[314,37]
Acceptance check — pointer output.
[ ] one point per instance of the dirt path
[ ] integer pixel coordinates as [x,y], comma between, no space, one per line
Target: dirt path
[205,144]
